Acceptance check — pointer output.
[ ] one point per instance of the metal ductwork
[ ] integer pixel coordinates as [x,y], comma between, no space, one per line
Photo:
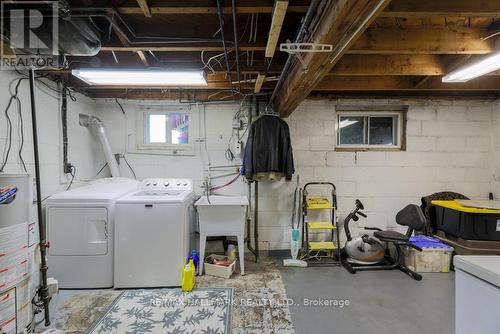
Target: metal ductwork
[77,36]
[97,127]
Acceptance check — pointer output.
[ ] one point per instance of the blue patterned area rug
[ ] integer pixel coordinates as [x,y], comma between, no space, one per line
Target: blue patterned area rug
[168,311]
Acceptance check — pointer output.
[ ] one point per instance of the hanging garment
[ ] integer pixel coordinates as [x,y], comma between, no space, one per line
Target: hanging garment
[268,148]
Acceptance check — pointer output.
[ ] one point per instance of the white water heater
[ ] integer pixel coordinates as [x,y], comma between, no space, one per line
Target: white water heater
[15,199]
[17,246]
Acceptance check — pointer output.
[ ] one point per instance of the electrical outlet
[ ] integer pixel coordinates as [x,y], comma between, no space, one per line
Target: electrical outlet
[237,124]
[238,148]
[68,168]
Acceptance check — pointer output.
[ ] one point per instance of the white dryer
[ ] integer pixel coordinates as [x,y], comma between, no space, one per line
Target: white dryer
[80,226]
[154,228]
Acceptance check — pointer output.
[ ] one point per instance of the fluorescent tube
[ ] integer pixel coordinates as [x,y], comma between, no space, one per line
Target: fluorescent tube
[482,67]
[111,77]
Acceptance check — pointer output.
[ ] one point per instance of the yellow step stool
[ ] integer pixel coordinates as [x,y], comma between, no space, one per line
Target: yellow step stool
[322,245]
[319,203]
[320,225]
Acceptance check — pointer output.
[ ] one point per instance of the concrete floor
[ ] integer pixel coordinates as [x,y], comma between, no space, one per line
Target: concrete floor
[381,302]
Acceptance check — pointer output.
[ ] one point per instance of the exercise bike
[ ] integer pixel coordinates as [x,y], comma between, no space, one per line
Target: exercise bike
[372,252]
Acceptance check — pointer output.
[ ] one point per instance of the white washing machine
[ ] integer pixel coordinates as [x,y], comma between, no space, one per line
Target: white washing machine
[154,229]
[80,226]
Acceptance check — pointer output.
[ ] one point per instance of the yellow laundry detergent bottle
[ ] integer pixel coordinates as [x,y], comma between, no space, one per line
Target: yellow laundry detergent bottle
[188,276]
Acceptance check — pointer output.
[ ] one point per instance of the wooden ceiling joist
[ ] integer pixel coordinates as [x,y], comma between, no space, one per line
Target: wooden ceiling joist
[426,8]
[444,40]
[355,65]
[143,58]
[259,82]
[165,94]
[209,10]
[340,23]
[400,83]
[279,12]
[144,7]
[191,48]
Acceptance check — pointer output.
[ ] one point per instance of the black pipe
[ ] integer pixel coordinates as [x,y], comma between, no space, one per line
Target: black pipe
[256,221]
[221,26]
[249,215]
[43,291]
[256,195]
[302,30]
[235,24]
[64,121]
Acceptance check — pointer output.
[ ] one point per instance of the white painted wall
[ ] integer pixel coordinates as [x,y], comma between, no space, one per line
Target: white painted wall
[450,146]
[83,149]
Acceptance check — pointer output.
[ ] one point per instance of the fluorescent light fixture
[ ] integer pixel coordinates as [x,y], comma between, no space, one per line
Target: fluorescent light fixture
[111,77]
[482,67]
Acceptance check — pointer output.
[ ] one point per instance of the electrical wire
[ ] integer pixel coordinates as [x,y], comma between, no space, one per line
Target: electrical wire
[13,97]
[237,175]
[130,167]
[21,134]
[120,105]
[100,170]
[73,173]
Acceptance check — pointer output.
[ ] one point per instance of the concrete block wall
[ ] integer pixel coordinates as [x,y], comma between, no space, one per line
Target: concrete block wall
[450,145]
[83,149]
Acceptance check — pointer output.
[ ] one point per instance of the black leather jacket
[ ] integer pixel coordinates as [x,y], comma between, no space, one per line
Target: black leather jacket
[268,148]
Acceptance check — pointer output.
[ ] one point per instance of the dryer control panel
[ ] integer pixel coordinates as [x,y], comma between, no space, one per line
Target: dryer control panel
[166,184]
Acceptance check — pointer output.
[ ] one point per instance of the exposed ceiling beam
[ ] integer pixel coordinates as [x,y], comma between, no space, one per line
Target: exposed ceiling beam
[397,8]
[143,58]
[467,8]
[207,95]
[340,23]
[279,12]
[449,66]
[351,64]
[164,94]
[144,7]
[191,48]
[210,10]
[400,83]
[259,82]
[446,40]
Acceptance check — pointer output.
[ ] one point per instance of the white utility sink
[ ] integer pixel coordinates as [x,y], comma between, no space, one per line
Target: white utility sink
[222,216]
[216,200]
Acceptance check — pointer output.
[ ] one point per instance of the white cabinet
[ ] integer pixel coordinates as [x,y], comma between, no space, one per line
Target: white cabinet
[477,294]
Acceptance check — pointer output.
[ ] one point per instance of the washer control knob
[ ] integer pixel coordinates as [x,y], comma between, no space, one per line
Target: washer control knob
[166,184]
[155,183]
[185,184]
[148,184]
[178,183]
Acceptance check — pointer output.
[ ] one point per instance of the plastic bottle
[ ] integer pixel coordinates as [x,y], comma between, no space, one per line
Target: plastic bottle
[231,252]
[196,259]
[188,277]
[193,271]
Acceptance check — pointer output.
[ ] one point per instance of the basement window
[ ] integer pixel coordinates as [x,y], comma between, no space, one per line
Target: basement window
[164,131]
[370,130]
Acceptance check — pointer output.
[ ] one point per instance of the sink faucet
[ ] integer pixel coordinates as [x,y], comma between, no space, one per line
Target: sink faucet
[207,186]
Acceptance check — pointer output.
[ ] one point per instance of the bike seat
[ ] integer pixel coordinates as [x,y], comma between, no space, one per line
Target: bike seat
[390,236]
